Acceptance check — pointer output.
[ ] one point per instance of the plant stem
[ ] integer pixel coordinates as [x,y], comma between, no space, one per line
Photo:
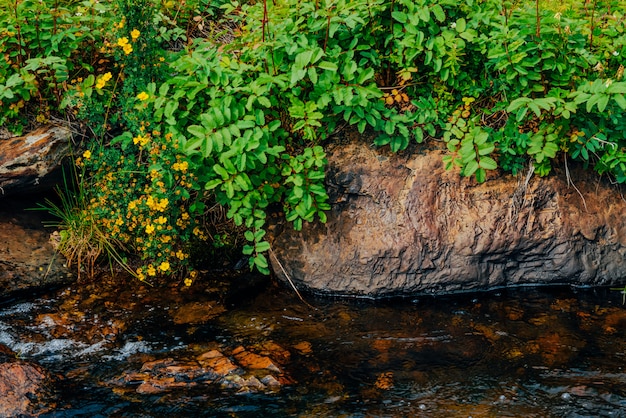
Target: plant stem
[538,34]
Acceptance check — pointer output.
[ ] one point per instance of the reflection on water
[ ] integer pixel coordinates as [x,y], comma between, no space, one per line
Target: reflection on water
[512,353]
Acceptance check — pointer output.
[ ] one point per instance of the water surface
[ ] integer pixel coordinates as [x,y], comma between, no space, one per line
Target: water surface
[528,352]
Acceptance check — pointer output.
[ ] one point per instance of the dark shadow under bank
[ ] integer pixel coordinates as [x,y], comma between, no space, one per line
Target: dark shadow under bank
[496,291]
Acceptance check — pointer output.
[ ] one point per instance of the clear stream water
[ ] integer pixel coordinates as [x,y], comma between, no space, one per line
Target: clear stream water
[528,352]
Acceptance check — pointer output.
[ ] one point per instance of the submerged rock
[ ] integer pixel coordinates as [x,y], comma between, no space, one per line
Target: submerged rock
[402,225]
[246,371]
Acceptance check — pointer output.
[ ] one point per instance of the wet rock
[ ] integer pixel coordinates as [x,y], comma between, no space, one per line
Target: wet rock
[384,381]
[197,312]
[254,361]
[403,225]
[270,381]
[27,162]
[245,372]
[303,347]
[26,389]
[27,259]
[217,362]
[164,375]
[275,351]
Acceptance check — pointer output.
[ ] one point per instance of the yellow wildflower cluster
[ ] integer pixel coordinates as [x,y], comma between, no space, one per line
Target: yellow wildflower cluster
[157,204]
[126,47]
[181,166]
[141,140]
[146,209]
[102,80]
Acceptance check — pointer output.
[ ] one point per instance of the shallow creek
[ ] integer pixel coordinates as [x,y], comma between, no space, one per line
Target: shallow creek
[212,351]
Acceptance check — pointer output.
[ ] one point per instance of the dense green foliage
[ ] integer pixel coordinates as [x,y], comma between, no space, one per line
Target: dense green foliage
[182,118]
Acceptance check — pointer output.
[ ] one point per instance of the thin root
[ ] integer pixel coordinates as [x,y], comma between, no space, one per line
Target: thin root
[290,281]
[570,182]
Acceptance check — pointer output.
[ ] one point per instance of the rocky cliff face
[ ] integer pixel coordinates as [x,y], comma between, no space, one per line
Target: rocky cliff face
[28,260]
[28,168]
[403,225]
[27,162]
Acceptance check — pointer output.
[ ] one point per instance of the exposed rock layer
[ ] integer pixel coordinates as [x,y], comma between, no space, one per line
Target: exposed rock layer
[403,225]
[27,259]
[27,161]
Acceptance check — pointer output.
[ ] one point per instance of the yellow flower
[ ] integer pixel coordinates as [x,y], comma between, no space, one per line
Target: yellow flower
[141,140]
[143,96]
[162,205]
[165,266]
[161,220]
[128,48]
[87,155]
[149,228]
[135,34]
[183,166]
[122,42]
[151,271]
[188,282]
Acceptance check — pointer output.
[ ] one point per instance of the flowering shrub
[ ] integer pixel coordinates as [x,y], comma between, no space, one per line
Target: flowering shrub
[141,194]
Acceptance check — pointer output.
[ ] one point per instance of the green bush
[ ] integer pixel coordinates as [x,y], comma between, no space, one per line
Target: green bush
[501,84]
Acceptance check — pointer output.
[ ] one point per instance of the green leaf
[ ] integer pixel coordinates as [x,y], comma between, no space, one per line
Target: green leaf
[365,75]
[264,101]
[262,246]
[470,168]
[244,185]
[192,145]
[230,189]
[481,175]
[620,100]
[438,12]
[221,171]
[488,163]
[327,65]
[461,25]
[197,131]
[603,102]
[399,16]
[260,261]
[212,184]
